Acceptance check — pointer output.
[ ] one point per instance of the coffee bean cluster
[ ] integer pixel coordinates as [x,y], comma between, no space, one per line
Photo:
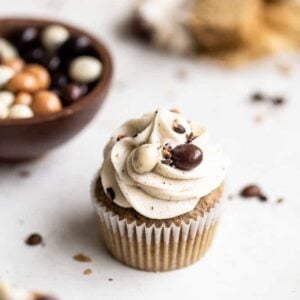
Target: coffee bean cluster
[43,70]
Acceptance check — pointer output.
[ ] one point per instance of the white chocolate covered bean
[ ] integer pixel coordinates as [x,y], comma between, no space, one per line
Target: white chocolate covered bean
[7,50]
[20,111]
[85,69]
[6,98]
[3,111]
[53,36]
[145,158]
[6,73]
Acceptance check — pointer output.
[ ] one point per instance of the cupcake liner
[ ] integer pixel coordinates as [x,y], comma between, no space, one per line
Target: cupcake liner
[153,248]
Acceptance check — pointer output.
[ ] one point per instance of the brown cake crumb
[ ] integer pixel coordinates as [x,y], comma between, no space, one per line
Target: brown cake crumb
[110,279]
[87,272]
[181,73]
[280,201]
[34,239]
[82,258]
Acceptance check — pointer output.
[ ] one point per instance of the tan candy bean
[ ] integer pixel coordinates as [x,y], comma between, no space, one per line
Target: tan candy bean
[17,64]
[23,98]
[23,82]
[41,74]
[45,103]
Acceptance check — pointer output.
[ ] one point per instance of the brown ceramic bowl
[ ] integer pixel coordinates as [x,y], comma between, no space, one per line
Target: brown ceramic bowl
[25,139]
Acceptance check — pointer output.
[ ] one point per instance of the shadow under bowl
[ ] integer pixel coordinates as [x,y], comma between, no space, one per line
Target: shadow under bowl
[25,139]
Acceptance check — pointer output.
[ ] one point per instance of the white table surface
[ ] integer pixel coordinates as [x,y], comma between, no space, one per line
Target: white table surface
[256,254]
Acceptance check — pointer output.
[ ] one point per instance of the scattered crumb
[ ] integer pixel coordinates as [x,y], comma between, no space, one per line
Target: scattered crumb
[278,100]
[258,97]
[24,174]
[87,272]
[285,70]
[175,110]
[258,119]
[181,73]
[34,239]
[230,197]
[82,258]
[110,279]
[280,201]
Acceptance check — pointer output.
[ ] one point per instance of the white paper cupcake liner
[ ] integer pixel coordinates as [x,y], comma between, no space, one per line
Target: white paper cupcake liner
[153,248]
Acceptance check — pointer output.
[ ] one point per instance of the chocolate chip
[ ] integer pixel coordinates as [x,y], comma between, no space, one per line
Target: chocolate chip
[34,239]
[82,258]
[167,161]
[178,128]
[187,156]
[257,97]
[120,137]
[190,137]
[278,100]
[110,192]
[263,198]
[71,93]
[250,191]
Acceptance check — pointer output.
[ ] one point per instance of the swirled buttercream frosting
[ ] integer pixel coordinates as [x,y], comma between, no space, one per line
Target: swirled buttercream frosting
[161,165]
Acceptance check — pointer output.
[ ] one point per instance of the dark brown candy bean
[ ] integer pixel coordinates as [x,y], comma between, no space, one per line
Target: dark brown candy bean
[25,39]
[36,55]
[71,93]
[250,191]
[186,156]
[75,46]
[59,80]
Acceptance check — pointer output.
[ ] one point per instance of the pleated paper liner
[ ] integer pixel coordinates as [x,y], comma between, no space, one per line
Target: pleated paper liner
[153,248]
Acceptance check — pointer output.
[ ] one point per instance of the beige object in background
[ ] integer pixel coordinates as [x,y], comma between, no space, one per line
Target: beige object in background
[218,25]
[157,245]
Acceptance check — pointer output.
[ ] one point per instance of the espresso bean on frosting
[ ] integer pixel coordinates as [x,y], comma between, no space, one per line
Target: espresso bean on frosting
[186,156]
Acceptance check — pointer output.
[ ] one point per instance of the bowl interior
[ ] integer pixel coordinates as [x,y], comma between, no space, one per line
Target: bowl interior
[7,25]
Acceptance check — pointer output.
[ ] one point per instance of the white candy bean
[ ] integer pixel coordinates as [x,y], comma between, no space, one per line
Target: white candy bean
[7,50]
[3,111]
[6,98]
[20,111]
[145,158]
[53,36]
[6,73]
[85,69]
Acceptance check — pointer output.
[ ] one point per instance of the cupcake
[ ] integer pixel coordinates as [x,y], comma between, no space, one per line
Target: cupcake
[158,193]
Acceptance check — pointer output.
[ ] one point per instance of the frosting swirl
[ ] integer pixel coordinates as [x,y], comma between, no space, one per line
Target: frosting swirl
[138,170]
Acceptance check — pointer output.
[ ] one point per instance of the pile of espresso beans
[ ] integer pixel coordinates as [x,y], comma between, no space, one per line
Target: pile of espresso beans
[45,69]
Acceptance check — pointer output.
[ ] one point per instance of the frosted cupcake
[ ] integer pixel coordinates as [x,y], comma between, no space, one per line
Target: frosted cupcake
[158,193]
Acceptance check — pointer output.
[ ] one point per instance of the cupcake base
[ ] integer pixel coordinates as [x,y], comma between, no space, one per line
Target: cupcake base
[162,246]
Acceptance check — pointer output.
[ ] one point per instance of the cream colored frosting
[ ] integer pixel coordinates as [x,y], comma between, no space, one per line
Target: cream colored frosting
[165,191]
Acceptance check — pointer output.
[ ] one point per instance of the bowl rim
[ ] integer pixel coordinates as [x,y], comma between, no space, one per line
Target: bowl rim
[100,87]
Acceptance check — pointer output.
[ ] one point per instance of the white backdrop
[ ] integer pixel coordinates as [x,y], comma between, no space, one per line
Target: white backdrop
[256,252]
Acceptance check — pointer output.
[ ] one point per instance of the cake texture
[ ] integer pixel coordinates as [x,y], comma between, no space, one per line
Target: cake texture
[158,195]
